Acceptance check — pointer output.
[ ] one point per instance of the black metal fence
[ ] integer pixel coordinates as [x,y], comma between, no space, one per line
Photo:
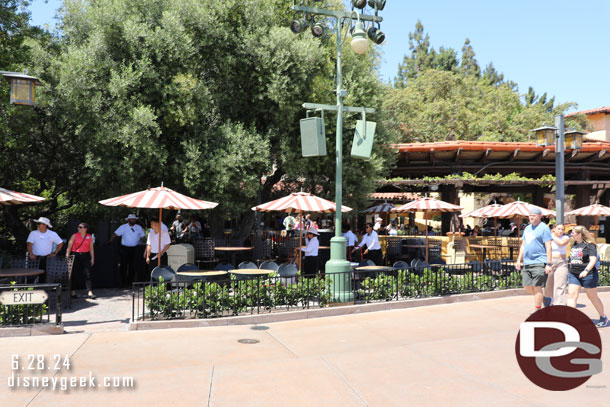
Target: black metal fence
[31,314]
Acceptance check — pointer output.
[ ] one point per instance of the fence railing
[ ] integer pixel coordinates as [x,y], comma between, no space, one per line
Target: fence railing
[20,314]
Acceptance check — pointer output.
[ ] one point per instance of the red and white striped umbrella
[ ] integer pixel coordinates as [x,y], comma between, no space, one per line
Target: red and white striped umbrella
[160,197]
[300,202]
[591,210]
[517,208]
[428,204]
[8,197]
[381,208]
[481,212]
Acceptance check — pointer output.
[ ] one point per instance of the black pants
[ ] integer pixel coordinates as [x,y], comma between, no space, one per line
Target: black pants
[310,266]
[153,263]
[376,256]
[42,265]
[82,263]
[127,264]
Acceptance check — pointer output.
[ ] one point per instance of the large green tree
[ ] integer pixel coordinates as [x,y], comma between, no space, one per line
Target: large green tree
[204,96]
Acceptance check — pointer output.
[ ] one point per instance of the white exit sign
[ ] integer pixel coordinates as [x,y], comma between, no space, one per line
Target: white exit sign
[23,297]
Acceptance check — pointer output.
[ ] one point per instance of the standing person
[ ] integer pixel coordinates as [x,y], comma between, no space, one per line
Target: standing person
[80,246]
[308,221]
[178,228]
[194,228]
[556,286]
[40,243]
[152,245]
[583,271]
[310,251]
[373,248]
[392,230]
[536,254]
[289,223]
[131,233]
[351,238]
[377,226]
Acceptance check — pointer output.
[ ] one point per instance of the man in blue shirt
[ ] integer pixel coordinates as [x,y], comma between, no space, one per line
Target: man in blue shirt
[535,252]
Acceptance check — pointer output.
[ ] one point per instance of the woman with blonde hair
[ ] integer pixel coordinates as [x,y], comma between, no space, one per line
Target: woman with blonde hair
[583,271]
[556,286]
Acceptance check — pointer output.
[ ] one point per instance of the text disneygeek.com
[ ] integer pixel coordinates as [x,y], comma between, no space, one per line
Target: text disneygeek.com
[16,381]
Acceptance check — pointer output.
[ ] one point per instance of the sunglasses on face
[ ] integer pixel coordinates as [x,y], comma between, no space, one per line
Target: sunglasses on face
[81,227]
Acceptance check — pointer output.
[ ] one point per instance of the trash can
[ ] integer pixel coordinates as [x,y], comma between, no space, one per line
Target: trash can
[179,254]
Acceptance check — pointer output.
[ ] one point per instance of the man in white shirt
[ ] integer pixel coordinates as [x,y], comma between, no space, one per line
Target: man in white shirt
[40,243]
[310,251]
[153,251]
[373,248]
[351,238]
[377,226]
[131,233]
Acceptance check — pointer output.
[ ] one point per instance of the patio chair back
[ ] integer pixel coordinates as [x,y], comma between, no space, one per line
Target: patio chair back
[269,265]
[401,265]
[246,265]
[224,267]
[187,267]
[166,272]
[59,270]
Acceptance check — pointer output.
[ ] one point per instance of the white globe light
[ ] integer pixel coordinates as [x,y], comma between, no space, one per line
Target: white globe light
[359,41]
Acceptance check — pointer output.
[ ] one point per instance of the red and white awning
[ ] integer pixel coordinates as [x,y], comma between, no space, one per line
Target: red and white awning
[517,208]
[160,197]
[591,210]
[381,208]
[8,197]
[428,205]
[300,202]
[481,212]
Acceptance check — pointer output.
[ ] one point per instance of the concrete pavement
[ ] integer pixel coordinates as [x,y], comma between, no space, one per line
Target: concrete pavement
[459,354]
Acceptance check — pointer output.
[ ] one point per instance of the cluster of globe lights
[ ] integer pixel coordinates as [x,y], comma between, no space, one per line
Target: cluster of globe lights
[359,35]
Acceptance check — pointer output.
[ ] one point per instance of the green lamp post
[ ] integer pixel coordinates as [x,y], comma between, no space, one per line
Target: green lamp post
[338,263]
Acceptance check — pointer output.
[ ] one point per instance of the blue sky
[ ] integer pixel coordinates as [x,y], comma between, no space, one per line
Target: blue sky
[556,46]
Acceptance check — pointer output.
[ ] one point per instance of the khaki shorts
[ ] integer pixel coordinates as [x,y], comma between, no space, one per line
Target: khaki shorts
[533,275]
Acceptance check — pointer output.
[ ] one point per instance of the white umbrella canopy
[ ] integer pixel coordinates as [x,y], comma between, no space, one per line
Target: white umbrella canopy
[299,202]
[161,198]
[591,210]
[518,208]
[381,208]
[484,213]
[8,197]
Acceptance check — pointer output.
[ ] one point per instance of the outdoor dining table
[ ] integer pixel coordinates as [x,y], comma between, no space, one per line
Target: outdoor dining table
[233,250]
[203,275]
[375,269]
[484,247]
[21,272]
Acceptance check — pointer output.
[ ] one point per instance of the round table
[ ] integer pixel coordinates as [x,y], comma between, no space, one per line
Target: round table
[21,272]
[233,250]
[250,274]
[203,275]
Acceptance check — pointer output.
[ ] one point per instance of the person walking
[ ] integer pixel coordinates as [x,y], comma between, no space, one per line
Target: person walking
[583,271]
[131,233]
[536,255]
[80,246]
[40,244]
[556,288]
[310,252]
[373,248]
[152,245]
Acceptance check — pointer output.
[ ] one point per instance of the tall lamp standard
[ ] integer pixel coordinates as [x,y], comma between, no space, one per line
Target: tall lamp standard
[338,262]
[572,139]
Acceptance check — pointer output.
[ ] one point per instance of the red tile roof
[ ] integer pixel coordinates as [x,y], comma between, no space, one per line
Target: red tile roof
[605,109]
[484,145]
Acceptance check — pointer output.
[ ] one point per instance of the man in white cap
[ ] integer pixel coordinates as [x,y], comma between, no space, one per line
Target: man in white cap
[40,243]
[131,233]
[310,251]
[377,226]
[537,257]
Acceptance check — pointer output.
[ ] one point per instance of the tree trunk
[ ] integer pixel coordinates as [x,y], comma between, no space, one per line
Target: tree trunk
[15,226]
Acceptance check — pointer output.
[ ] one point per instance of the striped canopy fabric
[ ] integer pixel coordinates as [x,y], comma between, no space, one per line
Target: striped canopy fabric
[300,202]
[591,210]
[381,208]
[517,208]
[160,197]
[8,197]
[428,204]
[481,212]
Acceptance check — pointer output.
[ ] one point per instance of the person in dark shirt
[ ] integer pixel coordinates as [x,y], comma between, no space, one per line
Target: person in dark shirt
[583,271]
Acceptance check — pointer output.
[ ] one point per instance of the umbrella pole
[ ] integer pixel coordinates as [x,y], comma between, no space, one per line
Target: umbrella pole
[596,230]
[426,236]
[160,232]
[496,227]
[300,241]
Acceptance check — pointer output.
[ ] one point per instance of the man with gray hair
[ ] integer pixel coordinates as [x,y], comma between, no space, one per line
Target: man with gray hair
[536,254]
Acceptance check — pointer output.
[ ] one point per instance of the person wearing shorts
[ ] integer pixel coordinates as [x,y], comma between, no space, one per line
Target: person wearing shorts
[536,254]
[583,271]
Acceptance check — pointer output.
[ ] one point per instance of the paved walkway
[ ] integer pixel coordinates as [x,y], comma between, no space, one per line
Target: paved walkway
[110,311]
[458,354]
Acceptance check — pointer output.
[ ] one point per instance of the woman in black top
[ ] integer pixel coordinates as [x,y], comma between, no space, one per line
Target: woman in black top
[583,272]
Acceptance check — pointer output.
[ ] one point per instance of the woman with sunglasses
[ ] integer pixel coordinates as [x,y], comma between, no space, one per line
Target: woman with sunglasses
[81,247]
[583,271]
